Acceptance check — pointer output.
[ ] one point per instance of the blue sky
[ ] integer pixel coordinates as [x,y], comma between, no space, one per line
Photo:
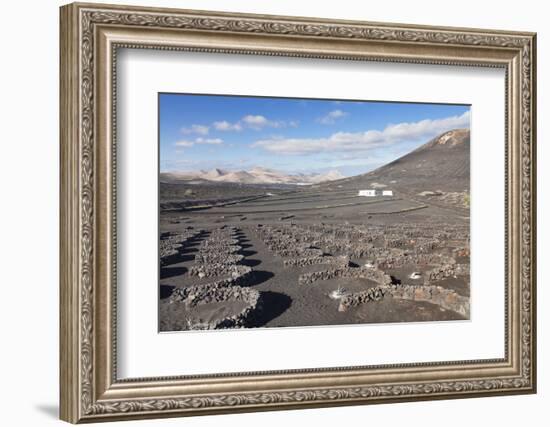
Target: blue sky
[295,135]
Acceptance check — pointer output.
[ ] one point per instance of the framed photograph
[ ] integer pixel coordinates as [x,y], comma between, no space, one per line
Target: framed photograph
[267,212]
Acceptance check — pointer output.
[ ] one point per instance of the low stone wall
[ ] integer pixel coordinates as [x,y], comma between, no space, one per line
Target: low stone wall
[398,242]
[426,245]
[395,261]
[446,298]
[446,270]
[212,270]
[167,252]
[240,277]
[218,258]
[300,252]
[353,249]
[375,275]
[204,294]
[171,243]
[287,241]
[219,242]
[280,244]
[342,261]
[219,249]
[358,298]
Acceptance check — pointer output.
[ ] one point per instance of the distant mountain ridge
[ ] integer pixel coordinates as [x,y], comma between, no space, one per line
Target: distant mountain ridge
[257,175]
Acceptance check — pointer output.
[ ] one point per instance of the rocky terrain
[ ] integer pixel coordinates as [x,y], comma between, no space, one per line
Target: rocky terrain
[271,254]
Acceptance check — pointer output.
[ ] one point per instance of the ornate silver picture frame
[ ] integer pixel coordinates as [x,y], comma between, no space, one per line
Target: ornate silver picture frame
[91,36]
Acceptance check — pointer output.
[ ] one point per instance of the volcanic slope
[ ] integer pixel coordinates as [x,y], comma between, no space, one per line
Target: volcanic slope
[442,164]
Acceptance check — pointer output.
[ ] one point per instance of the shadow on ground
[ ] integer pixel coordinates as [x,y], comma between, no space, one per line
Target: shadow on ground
[260,276]
[166,291]
[251,262]
[273,305]
[167,272]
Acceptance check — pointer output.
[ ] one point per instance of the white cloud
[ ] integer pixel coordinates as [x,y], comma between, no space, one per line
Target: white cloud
[252,121]
[200,140]
[226,126]
[362,141]
[184,144]
[198,129]
[255,120]
[258,122]
[331,117]
[214,141]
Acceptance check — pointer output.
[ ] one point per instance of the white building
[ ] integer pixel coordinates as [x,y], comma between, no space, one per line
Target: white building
[367,193]
[387,193]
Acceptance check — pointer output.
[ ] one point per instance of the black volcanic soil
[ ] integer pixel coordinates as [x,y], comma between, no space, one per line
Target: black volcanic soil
[288,302]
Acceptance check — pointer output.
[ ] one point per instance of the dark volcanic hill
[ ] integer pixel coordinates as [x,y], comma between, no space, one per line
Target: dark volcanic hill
[443,164]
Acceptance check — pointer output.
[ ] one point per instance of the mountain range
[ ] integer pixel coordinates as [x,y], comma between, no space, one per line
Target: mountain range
[257,175]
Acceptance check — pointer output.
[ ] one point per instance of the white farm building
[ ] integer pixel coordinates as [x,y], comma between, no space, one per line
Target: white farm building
[374,193]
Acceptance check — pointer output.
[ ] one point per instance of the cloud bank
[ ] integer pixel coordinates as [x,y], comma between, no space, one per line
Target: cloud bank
[210,141]
[364,141]
[250,121]
[224,125]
